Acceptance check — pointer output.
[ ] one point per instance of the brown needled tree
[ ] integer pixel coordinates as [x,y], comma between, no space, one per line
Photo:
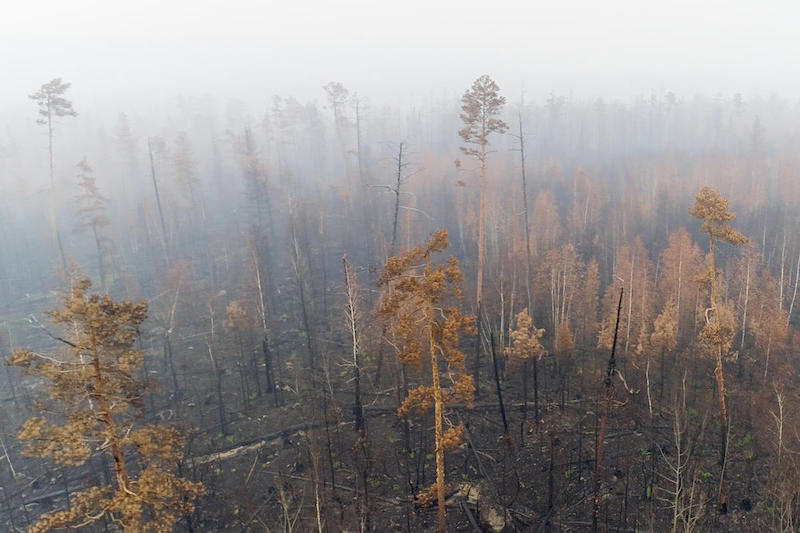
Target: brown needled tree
[95,395]
[525,344]
[480,105]
[717,334]
[415,304]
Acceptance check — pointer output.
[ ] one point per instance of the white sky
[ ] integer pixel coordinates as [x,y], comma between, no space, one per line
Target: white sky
[125,55]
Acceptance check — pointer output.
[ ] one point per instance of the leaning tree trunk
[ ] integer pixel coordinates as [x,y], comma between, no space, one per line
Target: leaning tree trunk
[598,453]
[165,240]
[506,434]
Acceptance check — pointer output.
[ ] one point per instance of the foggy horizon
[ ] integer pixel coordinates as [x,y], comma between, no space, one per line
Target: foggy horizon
[140,55]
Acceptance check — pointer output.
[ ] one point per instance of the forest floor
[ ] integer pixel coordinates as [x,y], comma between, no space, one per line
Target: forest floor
[539,478]
[295,462]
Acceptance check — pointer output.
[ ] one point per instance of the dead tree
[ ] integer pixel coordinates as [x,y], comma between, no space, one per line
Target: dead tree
[601,437]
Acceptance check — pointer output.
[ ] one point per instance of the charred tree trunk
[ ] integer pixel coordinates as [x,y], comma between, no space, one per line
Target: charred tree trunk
[499,390]
[524,408]
[609,388]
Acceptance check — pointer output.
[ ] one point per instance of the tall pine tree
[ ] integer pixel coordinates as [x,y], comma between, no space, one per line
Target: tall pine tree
[94,400]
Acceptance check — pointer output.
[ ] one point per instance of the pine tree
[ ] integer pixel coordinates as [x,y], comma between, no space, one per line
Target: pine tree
[524,345]
[94,400]
[415,303]
[92,207]
[481,105]
[712,208]
[52,105]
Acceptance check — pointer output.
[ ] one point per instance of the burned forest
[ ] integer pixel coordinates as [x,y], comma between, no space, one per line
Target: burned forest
[478,308]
